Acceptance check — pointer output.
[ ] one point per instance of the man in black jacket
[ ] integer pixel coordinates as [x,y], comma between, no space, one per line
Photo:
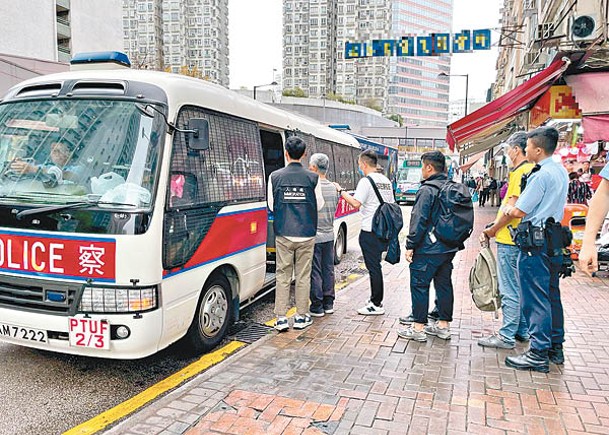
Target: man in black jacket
[429,258]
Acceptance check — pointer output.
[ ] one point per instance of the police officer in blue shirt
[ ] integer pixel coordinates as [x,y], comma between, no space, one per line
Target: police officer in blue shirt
[544,197]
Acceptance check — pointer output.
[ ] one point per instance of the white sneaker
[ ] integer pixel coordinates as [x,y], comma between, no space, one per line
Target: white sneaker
[371,310]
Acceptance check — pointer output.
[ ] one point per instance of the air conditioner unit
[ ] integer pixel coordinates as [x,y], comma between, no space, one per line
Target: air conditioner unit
[585,27]
[586,23]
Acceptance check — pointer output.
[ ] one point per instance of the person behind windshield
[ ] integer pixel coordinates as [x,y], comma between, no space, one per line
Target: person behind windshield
[52,174]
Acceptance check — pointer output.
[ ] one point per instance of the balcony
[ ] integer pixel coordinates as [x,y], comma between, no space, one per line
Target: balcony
[63,28]
[62,5]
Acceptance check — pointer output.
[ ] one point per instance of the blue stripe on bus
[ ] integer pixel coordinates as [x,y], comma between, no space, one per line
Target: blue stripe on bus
[56,236]
[60,276]
[213,260]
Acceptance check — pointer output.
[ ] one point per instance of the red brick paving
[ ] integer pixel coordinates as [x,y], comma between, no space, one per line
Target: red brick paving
[353,373]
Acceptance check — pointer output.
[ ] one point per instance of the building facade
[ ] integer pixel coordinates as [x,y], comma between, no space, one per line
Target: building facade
[57,29]
[533,32]
[315,32]
[188,37]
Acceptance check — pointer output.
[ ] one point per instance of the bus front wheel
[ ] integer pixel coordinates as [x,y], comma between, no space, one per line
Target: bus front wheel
[212,317]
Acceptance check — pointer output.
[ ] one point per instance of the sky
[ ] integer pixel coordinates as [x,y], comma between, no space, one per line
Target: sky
[255,44]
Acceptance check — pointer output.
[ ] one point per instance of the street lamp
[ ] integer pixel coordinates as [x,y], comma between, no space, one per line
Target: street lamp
[443,74]
[260,86]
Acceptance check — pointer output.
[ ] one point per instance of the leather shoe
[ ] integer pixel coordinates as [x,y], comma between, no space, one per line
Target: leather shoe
[530,360]
[556,355]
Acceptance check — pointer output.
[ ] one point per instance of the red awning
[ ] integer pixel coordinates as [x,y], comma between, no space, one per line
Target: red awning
[519,99]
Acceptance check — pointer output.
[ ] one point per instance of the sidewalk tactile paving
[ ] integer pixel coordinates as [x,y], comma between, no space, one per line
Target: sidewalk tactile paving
[353,374]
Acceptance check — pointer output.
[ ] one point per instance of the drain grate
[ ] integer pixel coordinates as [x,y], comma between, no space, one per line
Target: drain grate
[248,332]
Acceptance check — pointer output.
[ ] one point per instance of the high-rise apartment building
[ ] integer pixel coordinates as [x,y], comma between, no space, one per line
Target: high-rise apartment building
[187,36]
[315,32]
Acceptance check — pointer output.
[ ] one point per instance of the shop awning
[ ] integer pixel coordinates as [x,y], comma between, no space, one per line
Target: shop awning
[592,94]
[476,124]
[471,162]
[492,137]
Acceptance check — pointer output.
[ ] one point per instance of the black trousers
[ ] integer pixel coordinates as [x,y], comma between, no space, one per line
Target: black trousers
[424,269]
[372,248]
[322,277]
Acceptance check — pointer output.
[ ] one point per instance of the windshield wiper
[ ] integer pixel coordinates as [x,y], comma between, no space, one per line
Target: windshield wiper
[52,208]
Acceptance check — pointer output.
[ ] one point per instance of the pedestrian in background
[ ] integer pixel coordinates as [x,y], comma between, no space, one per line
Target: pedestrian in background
[322,273]
[294,197]
[599,207]
[492,193]
[429,258]
[579,192]
[544,197]
[514,325]
[365,200]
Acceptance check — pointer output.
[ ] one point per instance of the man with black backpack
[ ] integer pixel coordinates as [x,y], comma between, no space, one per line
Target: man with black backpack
[370,189]
[442,219]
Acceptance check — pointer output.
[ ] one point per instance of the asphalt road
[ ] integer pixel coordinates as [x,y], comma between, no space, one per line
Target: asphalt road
[46,393]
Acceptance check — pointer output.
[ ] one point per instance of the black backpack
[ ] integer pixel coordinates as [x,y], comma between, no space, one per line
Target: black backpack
[387,223]
[455,213]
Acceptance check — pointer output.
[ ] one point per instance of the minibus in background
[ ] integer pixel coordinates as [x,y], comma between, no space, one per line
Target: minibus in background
[133,207]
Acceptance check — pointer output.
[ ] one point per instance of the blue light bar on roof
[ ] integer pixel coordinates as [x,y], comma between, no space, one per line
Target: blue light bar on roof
[101,57]
[340,126]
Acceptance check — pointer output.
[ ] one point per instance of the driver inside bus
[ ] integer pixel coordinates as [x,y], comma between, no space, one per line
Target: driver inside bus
[53,173]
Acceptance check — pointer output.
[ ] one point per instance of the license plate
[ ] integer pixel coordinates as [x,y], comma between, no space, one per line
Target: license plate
[22,333]
[92,333]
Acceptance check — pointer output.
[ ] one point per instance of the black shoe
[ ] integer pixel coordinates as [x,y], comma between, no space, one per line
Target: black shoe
[556,354]
[530,360]
[433,315]
[408,320]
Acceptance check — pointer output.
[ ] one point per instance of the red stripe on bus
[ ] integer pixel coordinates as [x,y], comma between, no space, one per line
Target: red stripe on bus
[229,234]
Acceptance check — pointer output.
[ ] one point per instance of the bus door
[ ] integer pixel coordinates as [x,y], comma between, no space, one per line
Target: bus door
[272,154]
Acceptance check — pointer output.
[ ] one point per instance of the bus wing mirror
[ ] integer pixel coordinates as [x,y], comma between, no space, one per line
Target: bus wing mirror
[198,134]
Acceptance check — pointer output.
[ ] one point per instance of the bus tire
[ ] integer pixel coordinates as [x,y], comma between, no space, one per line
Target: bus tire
[212,317]
[339,245]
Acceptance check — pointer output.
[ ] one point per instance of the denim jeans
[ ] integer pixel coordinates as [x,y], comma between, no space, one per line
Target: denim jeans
[373,248]
[322,277]
[424,269]
[514,322]
[542,307]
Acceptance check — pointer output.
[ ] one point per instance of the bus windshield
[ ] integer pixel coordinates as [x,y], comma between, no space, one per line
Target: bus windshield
[63,151]
[410,175]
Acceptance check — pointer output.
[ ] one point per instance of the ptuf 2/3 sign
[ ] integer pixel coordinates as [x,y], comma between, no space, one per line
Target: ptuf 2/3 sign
[67,257]
[436,44]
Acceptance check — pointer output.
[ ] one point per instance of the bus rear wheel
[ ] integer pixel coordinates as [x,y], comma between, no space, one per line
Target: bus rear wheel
[339,245]
[212,316]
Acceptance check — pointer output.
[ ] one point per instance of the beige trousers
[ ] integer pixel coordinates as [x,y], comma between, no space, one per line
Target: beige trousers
[294,257]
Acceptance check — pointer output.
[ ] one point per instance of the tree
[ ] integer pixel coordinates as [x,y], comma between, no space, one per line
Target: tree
[337,97]
[295,92]
[373,103]
[396,117]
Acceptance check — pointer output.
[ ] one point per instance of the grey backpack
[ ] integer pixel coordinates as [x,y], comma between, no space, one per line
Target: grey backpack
[483,282]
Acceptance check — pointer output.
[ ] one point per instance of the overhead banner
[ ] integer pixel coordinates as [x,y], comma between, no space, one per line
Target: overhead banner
[436,44]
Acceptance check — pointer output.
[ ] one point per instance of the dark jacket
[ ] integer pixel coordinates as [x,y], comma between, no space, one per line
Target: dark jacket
[421,219]
[294,201]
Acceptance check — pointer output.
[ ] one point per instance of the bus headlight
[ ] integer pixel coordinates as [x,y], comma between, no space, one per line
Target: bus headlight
[118,300]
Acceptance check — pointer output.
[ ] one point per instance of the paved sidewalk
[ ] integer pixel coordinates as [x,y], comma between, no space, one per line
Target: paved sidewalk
[352,374]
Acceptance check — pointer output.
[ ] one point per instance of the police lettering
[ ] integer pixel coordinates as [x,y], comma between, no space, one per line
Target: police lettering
[23,255]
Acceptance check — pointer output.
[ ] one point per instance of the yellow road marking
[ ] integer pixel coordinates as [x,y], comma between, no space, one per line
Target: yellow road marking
[290,313]
[128,406]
